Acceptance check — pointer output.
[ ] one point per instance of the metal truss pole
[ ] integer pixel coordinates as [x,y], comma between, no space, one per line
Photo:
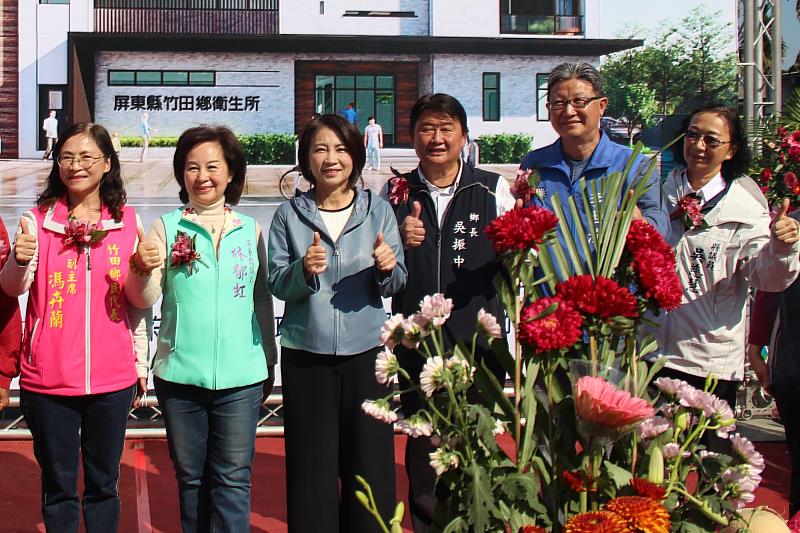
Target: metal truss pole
[761,92]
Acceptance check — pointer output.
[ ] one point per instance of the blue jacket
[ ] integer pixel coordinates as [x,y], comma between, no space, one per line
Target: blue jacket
[608,157]
[339,312]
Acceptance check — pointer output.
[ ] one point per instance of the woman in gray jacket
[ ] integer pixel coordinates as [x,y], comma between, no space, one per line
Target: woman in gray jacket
[333,253]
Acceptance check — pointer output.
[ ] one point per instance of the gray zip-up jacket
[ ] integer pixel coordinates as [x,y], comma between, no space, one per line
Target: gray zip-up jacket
[339,312]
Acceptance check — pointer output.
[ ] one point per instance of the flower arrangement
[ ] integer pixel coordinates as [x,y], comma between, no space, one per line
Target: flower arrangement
[586,443]
[81,233]
[183,252]
[778,166]
[398,188]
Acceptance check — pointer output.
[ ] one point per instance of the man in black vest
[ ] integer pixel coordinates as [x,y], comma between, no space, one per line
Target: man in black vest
[442,208]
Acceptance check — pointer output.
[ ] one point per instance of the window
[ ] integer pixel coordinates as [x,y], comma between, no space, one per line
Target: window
[54,1]
[373,95]
[394,14]
[178,78]
[542,113]
[491,96]
[322,8]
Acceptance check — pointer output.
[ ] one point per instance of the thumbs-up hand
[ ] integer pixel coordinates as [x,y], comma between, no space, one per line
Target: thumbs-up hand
[315,261]
[784,228]
[385,259]
[412,230]
[147,257]
[24,244]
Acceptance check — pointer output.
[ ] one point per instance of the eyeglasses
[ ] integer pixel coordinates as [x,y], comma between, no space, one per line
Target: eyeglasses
[576,103]
[693,136]
[85,161]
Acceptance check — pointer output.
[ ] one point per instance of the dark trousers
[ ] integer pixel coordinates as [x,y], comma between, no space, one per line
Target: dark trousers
[212,441]
[423,492]
[329,440]
[64,429]
[789,409]
[725,390]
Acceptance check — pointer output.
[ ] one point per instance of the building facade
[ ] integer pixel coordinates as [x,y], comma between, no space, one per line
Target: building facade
[266,66]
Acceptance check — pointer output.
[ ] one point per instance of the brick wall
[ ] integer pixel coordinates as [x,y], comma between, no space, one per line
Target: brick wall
[9,78]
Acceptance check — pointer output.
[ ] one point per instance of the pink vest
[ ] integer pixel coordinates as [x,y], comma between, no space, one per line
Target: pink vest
[78,339]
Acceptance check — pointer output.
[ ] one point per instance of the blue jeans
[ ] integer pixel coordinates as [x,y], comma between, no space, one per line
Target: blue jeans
[373,157]
[64,426]
[211,436]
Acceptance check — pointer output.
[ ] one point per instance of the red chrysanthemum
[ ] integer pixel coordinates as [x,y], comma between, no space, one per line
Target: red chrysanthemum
[644,515]
[766,174]
[521,229]
[597,522]
[658,278]
[790,180]
[578,480]
[602,297]
[532,529]
[560,329]
[643,236]
[647,489]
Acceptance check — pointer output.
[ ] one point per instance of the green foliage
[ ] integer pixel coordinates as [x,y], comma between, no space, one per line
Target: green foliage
[682,65]
[259,148]
[504,148]
[269,148]
[155,142]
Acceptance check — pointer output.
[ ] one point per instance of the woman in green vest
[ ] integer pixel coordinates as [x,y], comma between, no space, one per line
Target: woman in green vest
[216,347]
[334,251]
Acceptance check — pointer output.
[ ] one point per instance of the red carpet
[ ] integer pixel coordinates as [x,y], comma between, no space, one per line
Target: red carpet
[155,507]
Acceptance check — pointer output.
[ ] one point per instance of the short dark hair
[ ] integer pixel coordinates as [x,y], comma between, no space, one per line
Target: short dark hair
[740,162]
[112,190]
[231,150]
[440,103]
[346,132]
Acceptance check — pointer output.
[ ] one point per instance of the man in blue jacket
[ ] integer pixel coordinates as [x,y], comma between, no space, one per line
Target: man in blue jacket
[576,102]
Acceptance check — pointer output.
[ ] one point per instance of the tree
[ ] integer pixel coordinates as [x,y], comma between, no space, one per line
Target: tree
[682,66]
[635,103]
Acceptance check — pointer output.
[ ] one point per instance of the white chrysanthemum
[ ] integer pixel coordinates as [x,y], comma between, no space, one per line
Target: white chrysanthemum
[499,427]
[379,410]
[434,310]
[653,427]
[415,426]
[461,369]
[722,415]
[412,332]
[744,452]
[392,332]
[386,366]
[433,375]
[672,450]
[739,487]
[488,325]
[670,387]
[442,460]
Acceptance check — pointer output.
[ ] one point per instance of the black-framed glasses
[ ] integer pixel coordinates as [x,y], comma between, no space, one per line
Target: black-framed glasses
[85,161]
[693,136]
[576,103]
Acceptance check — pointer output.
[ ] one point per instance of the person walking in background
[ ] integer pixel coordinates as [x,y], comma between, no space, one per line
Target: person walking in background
[350,113]
[334,251]
[85,349]
[725,243]
[50,127]
[373,140]
[10,328]
[145,132]
[576,102]
[216,355]
[443,208]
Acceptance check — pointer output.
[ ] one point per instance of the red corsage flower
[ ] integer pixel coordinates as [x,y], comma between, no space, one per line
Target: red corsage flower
[81,233]
[521,229]
[398,190]
[183,252]
[688,210]
[522,188]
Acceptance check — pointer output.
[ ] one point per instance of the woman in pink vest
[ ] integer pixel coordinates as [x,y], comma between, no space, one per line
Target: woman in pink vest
[84,349]
[10,329]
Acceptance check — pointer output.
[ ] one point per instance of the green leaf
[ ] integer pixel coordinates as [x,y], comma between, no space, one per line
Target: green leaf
[481,499]
[566,234]
[491,389]
[618,475]
[457,525]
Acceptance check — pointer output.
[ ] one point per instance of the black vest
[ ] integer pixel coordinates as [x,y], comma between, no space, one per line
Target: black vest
[786,370]
[456,259]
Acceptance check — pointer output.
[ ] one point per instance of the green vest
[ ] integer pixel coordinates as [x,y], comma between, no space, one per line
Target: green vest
[209,334]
